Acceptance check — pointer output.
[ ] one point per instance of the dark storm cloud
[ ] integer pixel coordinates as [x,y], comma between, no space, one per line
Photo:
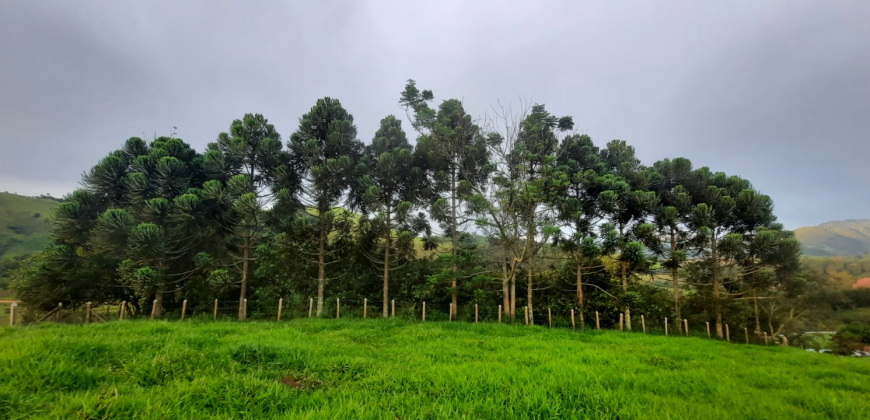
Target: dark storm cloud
[776,92]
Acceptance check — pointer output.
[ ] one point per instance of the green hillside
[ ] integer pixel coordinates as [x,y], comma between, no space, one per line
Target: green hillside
[25,227]
[397,369]
[847,237]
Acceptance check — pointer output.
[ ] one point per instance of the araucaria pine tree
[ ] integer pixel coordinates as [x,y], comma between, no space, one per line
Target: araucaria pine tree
[325,150]
[392,186]
[156,223]
[246,156]
[455,154]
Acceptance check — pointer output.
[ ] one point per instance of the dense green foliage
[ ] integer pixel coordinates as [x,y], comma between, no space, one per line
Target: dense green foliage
[326,369]
[851,337]
[518,199]
[840,272]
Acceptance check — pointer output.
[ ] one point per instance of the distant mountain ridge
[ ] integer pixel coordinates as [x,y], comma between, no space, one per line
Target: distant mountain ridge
[840,238]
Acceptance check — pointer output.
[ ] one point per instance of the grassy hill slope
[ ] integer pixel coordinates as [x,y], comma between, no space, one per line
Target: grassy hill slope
[25,225]
[376,369]
[848,237]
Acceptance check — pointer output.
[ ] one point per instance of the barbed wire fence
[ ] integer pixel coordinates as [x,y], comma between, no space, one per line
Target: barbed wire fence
[280,310]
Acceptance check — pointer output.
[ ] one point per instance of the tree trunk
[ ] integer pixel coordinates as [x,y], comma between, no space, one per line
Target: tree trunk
[514,290]
[580,301]
[717,310]
[387,265]
[158,296]
[676,285]
[243,294]
[454,237]
[505,279]
[757,320]
[625,308]
[622,256]
[243,309]
[529,289]
[580,286]
[321,266]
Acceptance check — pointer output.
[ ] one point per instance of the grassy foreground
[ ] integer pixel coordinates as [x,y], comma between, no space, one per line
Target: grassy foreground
[356,369]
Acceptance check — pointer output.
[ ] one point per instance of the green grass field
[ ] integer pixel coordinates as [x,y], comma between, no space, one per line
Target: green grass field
[375,369]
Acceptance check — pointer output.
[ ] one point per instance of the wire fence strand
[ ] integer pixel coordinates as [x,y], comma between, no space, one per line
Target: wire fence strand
[267,310]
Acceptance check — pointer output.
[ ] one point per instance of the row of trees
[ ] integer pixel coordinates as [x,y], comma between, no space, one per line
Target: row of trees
[470,210]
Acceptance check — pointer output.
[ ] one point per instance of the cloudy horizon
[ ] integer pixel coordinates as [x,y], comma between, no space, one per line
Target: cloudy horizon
[776,92]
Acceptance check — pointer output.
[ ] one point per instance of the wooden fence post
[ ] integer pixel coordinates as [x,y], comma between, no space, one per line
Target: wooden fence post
[666,326]
[123,308]
[708,329]
[727,333]
[183,309]
[686,326]
[643,323]
[621,320]
[87,313]
[549,318]
[59,310]
[310,306]
[337,308]
[365,308]
[245,310]
[153,308]
[475,313]
[746,333]
[12,313]
[499,314]
[280,307]
[393,303]
[526,310]
[424,311]
[597,324]
[450,313]
[215,309]
[765,338]
[573,326]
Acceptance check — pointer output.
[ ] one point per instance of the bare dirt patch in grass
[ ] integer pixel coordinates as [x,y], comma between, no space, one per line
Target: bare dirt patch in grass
[297,383]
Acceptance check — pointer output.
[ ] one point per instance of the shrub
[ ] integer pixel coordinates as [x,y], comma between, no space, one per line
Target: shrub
[851,337]
[859,298]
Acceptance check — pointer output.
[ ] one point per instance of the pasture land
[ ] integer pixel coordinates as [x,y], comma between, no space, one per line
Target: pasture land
[397,369]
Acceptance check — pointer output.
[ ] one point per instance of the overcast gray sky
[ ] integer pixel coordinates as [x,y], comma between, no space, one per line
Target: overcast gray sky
[775,91]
